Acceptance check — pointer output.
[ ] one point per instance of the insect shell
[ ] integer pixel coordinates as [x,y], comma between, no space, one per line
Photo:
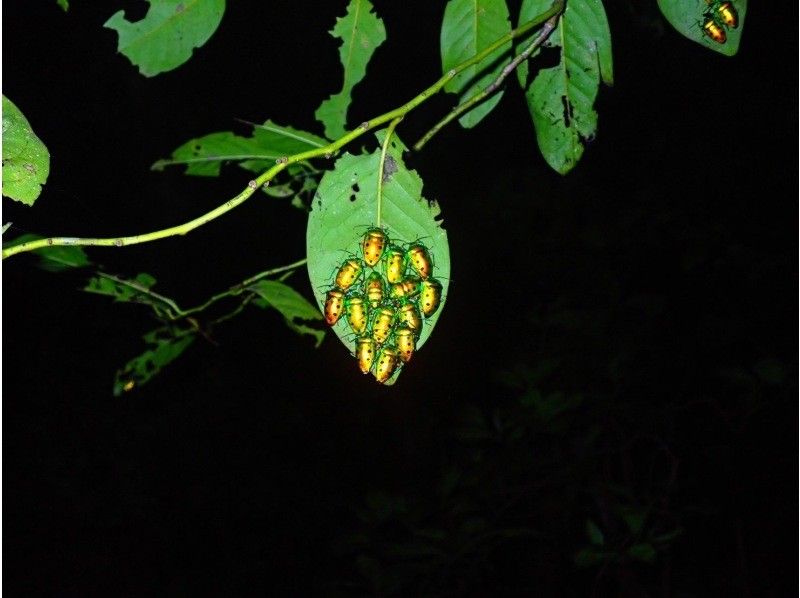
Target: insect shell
[388,360]
[420,260]
[357,313]
[372,245]
[408,314]
[407,288]
[334,303]
[406,343]
[382,324]
[714,30]
[394,264]
[347,274]
[430,297]
[374,289]
[727,14]
[365,353]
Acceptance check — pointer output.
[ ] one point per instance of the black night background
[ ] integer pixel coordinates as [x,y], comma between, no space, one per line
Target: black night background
[607,407]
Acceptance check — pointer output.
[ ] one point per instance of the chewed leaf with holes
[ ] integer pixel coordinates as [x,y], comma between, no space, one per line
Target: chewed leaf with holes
[345,206]
[561,98]
[166,345]
[168,35]
[26,161]
[688,16]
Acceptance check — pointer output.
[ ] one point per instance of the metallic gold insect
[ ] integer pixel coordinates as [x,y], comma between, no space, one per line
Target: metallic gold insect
[408,314]
[430,297]
[394,264]
[334,303]
[347,274]
[382,325]
[406,343]
[420,260]
[365,353]
[356,314]
[388,360]
[374,289]
[405,289]
[372,245]
[714,30]
[727,14]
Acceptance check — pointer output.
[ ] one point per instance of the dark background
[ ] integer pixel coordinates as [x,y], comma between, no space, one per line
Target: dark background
[618,345]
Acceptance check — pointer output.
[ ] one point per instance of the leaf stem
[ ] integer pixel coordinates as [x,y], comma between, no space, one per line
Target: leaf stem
[479,97]
[283,162]
[381,174]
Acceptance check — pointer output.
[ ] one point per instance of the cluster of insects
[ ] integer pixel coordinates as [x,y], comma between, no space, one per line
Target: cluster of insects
[718,17]
[385,295]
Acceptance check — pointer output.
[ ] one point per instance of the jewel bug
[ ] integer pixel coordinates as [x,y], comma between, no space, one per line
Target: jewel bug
[714,30]
[372,245]
[356,309]
[405,289]
[430,297]
[406,343]
[334,302]
[408,314]
[365,353]
[394,264]
[347,274]
[374,289]
[420,260]
[388,360]
[382,324]
[726,13]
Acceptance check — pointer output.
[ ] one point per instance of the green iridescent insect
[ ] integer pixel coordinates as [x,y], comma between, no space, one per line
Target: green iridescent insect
[334,303]
[409,315]
[347,274]
[374,289]
[388,360]
[405,289]
[394,264]
[430,297]
[405,340]
[382,325]
[420,260]
[365,353]
[357,314]
[372,245]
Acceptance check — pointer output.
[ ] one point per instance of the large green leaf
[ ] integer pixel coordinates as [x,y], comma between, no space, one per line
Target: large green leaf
[361,32]
[291,304]
[205,155]
[26,161]
[166,345]
[345,207]
[469,26]
[561,98]
[687,17]
[55,258]
[168,34]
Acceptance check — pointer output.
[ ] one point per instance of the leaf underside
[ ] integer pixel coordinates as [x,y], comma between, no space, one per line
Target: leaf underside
[468,27]
[686,16]
[26,161]
[344,207]
[361,32]
[166,37]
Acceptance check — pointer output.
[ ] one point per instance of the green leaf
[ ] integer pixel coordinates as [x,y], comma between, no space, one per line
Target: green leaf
[137,290]
[561,98]
[469,26]
[64,4]
[166,346]
[594,533]
[168,34]
[687,17]
[291,304]
[344,207]
[26,161]
[204,156]
[642,552]
[55,258]
[361,32]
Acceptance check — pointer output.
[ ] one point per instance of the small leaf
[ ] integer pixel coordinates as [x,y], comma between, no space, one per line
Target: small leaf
[468,27]
[561,98]
[291,304]
[642,552]
[55,258]
[168,34]
[594,533]
[361,32]
[687,17]
[26,161]
[344,207]
[205,155]
[64,4]
[131,291]
[166,347]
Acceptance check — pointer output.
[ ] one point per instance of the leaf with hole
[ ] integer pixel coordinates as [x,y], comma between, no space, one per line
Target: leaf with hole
[26,161]
[345,206]
[166,345]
